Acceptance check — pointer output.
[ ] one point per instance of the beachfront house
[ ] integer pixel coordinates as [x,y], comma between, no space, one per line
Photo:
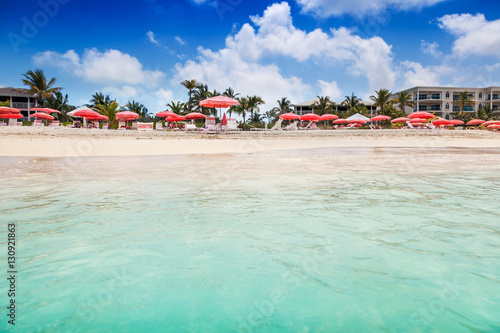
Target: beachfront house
[18,99]
[443,100]
[307,107]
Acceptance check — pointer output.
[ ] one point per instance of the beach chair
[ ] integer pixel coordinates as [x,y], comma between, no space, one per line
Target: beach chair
[135,125]
[122,125]
[55,123]
[19,123]
[105,126]
[190,127]
[372,127]
[37,123]
[232,126]
[144,126]
[159,126]
[292,126]
[12,122]
[277,126]
[431,126]
[209,125]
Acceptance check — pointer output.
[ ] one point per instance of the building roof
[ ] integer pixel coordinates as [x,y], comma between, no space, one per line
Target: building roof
[15,92]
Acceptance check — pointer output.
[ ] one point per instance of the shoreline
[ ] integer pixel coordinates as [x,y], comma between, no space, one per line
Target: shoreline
[68,142]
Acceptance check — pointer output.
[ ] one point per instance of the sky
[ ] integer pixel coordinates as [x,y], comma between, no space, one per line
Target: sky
[142,49]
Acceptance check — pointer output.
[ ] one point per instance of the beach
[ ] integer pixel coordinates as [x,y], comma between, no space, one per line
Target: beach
[64,142]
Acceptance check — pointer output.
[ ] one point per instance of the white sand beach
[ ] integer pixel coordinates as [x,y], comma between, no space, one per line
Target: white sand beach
[61,142]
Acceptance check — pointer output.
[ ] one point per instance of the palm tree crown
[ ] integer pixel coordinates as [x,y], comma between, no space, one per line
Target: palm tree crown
[323,105]
[190,85]
[382,99]
[38,86]
[464,99]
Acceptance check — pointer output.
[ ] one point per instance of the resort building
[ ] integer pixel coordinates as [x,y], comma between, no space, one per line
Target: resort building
[443,100]
[18,100]
[307,107]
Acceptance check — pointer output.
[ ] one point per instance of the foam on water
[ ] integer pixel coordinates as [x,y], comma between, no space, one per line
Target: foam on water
[381,240]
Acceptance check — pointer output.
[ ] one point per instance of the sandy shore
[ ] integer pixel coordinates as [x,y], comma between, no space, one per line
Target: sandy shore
[61,142]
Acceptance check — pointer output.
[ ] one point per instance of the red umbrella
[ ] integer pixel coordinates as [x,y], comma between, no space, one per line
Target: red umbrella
[494,126]
[379,118]
[195,115]
[126,115]
[341,121]
[48,110]
[219,102]
[417,120]
[357,121]
[176,118]
[400,120]
[441,122]
[86,113]
[289,116]
[11,115]
[224,120]
[41,115]
[421,114]
[5,109]
[166,114]
[356,124]
[99,117]
[456,122]
[491,122]
[328,116]
[475,122]
[310,117]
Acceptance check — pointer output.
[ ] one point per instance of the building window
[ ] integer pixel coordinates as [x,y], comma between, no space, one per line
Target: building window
[447,94]
[489,97]
[422,107]
[447,106]
[495,96]
[480,105]
[480,95]
[436,96]
[436,107]
[422,96]
[456,108]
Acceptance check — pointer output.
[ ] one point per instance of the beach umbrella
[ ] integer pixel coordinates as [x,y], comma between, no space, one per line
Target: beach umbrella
[85,113]
[5,110]
[166,114]
[421,114]
[357,121]
[176,118]
[224,120]
[47,110]
[494,126]
[328,116]
[195,115]
[11,115]
[310,117]
[441,122]
[127,115]
[43,116]
[356,124]
[289,116]
[490,122]
[341,121]
[456,122]
[417,120]
[475,122]
[219,102]
[400,120]
[379,118]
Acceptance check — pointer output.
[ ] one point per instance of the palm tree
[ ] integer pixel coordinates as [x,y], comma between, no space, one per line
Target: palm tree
[404,99]
[284,106]
[137,107]
[352,102]
[99,98]
[231,94]
[485,113]
[242,108]
[253,104]
[190,85]
[382,99]
[59,102]
[109,110]
[176,107]
[323,105]
[38,86]
[201,93]
[464,99]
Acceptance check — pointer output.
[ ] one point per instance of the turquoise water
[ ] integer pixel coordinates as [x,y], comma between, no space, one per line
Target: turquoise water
[326,240]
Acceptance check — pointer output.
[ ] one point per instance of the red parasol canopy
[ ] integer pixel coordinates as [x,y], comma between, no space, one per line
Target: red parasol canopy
[421,114]
[176,118]
[218,102]
[328,116]
[47,110]
[357,121]
[166,114]
[491,122]
[224,120]
[11,115]
[417,120]
[341,121]
[126,115]
[5,109]
[98,117]
[86,113]
[41,115]
[494,126]
[400,120]
[289,116]
[310,117]
[195,115]
[379,118]
[356,124]
[475,122]
[456,122]
[441,122]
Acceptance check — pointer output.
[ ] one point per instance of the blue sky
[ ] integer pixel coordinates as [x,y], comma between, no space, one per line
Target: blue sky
[298,49]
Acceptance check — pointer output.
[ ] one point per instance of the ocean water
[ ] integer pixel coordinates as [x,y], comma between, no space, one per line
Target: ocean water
[323,240]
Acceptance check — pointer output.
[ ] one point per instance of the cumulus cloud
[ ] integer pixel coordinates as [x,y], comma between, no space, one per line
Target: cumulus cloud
[121,93]
[240,62]
[330,89]
[327,8]
[415,74]
[110,67]
[430,48]
[475,35]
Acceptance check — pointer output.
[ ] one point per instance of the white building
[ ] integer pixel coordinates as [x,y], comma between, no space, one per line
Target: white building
[307,107]
[443,100]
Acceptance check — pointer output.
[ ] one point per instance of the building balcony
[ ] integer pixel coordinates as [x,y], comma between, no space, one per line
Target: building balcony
[18,105]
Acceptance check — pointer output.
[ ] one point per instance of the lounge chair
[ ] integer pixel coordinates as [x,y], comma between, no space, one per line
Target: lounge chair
[351,126]
[55,123]
[431,126]
[159,126]
[122,125]
[105,126]
[209,125]
[135,125]
[292,126]
[190,127]
[372,127]
[232,126]
[37,123]
[277,126]
[12,122]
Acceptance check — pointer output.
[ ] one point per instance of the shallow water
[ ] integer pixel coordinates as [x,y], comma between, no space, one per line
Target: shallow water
[351,240]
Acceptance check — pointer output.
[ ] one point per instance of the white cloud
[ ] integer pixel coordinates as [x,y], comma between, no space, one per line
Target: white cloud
[180,40]
[122,94]
[327,8]
[241,60]
[414,74]
[430,48]
[111,67]
[475,35]
[330,89]
[163,97]
[151,37]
